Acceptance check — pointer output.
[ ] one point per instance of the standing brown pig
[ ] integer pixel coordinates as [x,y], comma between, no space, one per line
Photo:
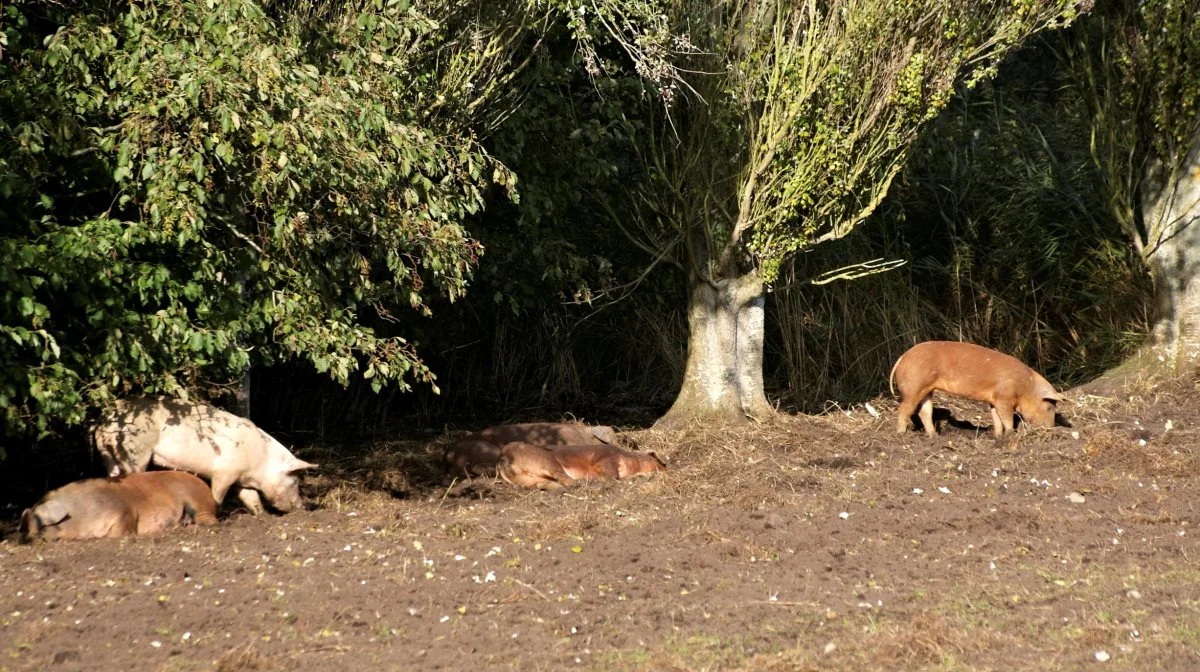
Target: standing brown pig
[143,503]
[974,372]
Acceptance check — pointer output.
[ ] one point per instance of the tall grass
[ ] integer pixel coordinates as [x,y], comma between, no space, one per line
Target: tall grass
[837,342]
[1010,245]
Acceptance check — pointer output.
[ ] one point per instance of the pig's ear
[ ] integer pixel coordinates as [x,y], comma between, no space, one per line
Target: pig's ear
[297,465]
[1053,396]
[50,513]
[29,525]
[604,433]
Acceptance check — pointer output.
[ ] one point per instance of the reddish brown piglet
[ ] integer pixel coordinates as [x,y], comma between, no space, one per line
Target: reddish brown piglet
[478,453]
[530,466]
[975,372]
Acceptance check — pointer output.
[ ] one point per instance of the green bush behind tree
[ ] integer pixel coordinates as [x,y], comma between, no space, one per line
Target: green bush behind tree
[191,187]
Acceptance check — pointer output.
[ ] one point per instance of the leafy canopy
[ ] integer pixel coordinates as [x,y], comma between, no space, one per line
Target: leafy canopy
[1137,64]
[787,121]
[188,186]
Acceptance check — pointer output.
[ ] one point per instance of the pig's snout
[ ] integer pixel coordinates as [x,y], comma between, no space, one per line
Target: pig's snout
[288,501]
[1042,414]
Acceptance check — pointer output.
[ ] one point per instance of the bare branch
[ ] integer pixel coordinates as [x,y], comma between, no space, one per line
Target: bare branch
[859,270]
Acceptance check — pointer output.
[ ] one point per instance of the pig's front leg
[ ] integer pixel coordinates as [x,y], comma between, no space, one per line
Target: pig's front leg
[1002,419]
[250,498]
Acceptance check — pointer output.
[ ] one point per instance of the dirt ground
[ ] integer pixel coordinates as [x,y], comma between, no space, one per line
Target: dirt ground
[823,543]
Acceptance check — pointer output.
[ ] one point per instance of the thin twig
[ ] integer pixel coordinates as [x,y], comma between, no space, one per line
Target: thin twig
[244,237]
[446,493]
[526,585]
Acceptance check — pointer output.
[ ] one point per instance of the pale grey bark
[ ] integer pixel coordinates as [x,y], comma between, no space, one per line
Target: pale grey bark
[241,397]
[751,329]
[723,377]
[1171,249]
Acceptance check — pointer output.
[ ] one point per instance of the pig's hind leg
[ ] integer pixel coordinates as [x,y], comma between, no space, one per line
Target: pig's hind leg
[124,524]
[926,414]
[608,468]
[221,482]
[908,406]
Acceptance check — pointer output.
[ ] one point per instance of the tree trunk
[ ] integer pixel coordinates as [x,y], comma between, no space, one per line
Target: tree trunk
[240,404]
[241,396]
[1170,247]
[723,378]
[1171,211]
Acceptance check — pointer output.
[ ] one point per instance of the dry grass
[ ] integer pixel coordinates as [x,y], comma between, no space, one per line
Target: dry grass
[758,467]
[247,659]
[996,573]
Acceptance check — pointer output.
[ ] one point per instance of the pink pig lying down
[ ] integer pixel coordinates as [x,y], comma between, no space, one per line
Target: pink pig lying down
[196,437]
[975,372]
[141,504]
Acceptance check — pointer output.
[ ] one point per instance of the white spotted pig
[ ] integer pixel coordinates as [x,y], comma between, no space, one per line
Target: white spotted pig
[196,437]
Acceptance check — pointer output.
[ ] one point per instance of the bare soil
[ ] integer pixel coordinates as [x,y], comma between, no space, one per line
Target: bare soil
[822,543]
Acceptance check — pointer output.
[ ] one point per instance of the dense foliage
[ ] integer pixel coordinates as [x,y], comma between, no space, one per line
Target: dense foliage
[789,121]
[1002,219]
[1137,65]
[191,186]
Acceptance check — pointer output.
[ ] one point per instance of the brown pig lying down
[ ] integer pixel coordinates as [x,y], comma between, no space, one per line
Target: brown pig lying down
[975,372]
[530,466]
[477,454]
[143,503]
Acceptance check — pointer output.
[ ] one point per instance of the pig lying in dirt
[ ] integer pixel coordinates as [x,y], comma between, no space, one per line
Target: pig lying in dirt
[472,457]
[477,454]
[548,434]
[144,503]
[529,466]
[196,437]
[974,372]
